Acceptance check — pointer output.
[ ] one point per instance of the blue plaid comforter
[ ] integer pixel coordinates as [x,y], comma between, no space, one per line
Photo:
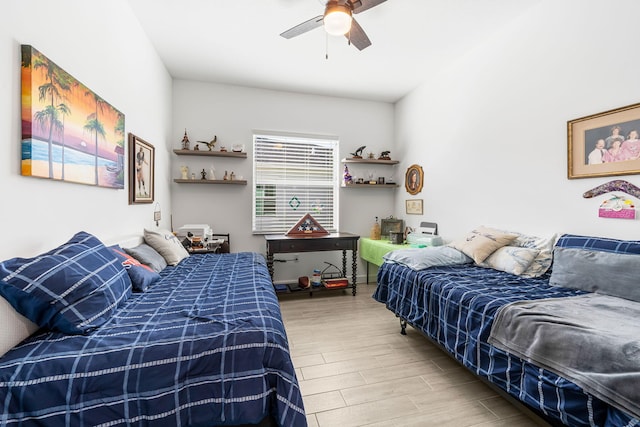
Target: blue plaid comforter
[203,346]
[455,306]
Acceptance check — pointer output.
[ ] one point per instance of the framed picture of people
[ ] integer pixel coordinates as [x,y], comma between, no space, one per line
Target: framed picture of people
[413,179]
[605,144]
[141,170]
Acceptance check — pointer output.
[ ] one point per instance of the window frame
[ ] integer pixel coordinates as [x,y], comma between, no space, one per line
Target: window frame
[299,161]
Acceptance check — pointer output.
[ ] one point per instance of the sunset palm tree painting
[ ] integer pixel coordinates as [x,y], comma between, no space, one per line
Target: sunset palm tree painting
[69,133]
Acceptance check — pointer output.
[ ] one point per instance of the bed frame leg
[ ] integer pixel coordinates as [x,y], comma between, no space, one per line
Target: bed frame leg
[403,326]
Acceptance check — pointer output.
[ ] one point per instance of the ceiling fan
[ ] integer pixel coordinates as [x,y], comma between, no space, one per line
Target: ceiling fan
[338,20]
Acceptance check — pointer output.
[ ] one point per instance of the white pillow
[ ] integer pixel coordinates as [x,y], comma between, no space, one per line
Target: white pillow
[15,327]
[166,244]
[511,259]
[431,256]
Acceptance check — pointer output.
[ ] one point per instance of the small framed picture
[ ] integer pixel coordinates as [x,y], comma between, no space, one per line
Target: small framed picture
[414,206]
[141,170]
[413,179]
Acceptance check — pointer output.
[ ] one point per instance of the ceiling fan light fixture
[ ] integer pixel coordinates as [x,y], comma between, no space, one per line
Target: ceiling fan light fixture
[337,19]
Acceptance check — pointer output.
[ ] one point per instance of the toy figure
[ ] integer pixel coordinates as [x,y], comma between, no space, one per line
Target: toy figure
[185,140]
[347,176]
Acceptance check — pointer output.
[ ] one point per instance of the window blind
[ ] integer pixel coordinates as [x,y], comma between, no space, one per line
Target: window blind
[294,175]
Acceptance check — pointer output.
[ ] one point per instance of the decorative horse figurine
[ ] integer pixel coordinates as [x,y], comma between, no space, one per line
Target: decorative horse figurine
[384,155]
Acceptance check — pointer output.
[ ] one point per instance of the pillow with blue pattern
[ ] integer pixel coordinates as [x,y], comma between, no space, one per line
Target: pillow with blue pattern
[597,264]
[142,276]
[73,288]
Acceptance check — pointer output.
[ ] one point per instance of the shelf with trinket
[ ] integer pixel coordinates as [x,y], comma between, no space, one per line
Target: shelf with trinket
[372,179]
[186,150]
[208,177]
[211,181]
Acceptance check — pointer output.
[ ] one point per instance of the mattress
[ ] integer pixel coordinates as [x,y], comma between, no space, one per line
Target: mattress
[455,306]
[205,345]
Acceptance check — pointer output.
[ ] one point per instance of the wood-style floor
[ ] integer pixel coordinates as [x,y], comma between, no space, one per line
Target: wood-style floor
[356,369]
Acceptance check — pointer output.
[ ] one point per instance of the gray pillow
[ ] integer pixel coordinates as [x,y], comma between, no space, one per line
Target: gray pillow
[432,256]
[606,273]
[147,256]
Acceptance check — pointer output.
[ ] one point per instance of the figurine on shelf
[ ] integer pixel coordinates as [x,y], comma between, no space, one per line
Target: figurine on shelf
[211,143]
[185,140]
[196,148]
[212,173]
[372,156]
[226,177]
[232,177]
[358,153]
[384,155]
[347,176]
[184,171]
[223,149]
[204,174]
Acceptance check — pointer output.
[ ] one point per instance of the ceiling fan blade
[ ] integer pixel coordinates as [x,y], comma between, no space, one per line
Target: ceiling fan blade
[303,28]
[362,5]
[357,36]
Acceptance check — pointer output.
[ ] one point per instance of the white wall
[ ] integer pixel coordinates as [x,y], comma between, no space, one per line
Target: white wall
[102,45]
[232,113]
[491,130]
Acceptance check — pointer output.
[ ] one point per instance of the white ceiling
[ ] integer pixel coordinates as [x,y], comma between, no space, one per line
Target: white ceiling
[238,42]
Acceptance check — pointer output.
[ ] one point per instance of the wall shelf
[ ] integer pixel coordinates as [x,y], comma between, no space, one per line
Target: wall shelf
[211,181]
[369,185]
[371,161]
[241,155]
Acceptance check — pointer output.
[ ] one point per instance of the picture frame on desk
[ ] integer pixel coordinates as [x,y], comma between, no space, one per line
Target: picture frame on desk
[413,206]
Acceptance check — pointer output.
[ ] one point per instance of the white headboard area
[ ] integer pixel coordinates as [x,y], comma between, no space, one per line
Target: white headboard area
[125,241]
[15,327]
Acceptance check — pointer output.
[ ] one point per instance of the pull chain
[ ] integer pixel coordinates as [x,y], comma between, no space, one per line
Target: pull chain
[326,46]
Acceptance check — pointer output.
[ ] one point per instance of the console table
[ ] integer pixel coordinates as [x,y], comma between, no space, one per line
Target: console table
[372,251]
[280,244]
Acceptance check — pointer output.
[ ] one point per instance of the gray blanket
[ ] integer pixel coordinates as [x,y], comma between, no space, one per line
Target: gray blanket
[592,340]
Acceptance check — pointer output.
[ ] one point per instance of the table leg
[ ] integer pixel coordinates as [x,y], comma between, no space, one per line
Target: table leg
[344,263]
[367,267]
[270,262]
[354,267]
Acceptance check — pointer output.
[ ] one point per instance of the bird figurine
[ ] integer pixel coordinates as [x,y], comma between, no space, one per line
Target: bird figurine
[211,143]
[358,153]
[384,155]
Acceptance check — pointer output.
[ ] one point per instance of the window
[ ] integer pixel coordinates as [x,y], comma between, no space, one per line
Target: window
[294,175]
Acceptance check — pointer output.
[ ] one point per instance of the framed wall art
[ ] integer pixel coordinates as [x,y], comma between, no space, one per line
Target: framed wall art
[69,133]
[141,170]
[604,144]
[413,179]
[413,206]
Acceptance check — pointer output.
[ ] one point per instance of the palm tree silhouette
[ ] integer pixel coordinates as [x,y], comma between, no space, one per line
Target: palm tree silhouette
[58,82]
[94,126]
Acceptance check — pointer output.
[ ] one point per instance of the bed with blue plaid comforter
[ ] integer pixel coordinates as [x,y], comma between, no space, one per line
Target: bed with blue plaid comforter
[455,306]
[204,346]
